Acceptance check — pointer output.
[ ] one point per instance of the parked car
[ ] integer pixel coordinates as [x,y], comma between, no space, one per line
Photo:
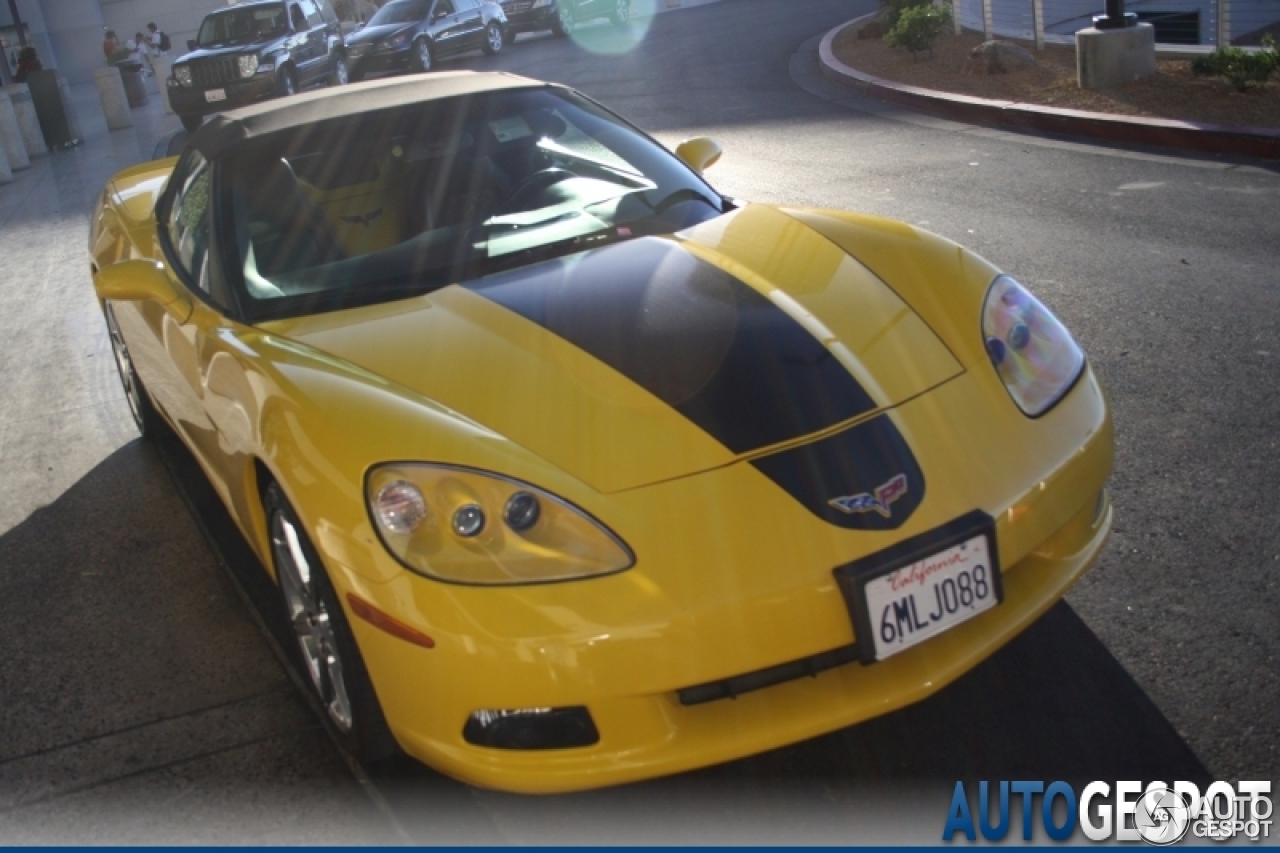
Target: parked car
[561,16]
[254,51]
[572,471]
[415,34]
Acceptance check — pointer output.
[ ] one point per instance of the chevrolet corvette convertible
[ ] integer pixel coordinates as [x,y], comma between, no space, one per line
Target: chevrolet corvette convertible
[570,470]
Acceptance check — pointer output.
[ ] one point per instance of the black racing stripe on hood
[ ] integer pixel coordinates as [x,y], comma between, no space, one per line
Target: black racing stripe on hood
[867,469]
[697,338]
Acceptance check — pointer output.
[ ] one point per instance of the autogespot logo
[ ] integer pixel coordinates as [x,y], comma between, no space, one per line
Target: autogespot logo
[1158,814]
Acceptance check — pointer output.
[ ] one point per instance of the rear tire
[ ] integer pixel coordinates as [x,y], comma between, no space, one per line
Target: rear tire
[326,648]
[621,13]
[422,56]
[494,39]
[564,24]
[287,83]
[145,416]
[191,123]
[340,75]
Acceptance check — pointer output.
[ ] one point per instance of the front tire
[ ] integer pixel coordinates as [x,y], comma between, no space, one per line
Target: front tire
[325,645]
[191,123]
[144,413]
[422,58]
[494,39]
[287,83]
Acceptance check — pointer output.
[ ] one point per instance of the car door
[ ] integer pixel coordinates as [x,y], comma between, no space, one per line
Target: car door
[471,22]
[185,350]
[446,28]
[312,29]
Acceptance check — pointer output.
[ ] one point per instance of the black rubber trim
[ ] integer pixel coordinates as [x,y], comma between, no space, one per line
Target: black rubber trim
[694,336]
[731,688]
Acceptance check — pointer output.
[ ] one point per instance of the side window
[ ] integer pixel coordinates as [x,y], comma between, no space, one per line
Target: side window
[444,7]
[189,221]
[296,17]
[326,12]
[465,5]
[312,14]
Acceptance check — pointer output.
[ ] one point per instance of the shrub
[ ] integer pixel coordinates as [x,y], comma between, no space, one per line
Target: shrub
[1240,68]
[918,28]
[891,10]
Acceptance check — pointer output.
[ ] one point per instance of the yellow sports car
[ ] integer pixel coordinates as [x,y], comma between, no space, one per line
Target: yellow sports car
[572,471]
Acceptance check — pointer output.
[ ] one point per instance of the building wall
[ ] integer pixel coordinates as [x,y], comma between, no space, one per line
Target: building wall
[179,18]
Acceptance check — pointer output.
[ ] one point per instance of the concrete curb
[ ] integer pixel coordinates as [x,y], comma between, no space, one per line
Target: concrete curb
[1166,133]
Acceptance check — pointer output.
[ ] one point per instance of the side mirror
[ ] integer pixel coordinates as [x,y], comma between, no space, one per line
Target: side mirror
[191,44]
[699,153]
[138,281]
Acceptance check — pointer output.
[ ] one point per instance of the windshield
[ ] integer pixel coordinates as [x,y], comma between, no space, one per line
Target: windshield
[240,26]
[386,205]
[400,12]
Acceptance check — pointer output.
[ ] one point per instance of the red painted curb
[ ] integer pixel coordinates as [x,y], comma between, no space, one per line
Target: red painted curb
[1257,142]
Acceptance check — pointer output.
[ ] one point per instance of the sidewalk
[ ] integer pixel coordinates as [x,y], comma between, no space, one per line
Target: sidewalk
[140,704]
[1263,143]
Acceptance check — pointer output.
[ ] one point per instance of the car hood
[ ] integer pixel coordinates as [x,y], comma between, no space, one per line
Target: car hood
[232,48]
[368,35]
[658,357]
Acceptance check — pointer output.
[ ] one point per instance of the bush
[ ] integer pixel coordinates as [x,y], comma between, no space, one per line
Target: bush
[918,28]
[1240,68]
[891,10]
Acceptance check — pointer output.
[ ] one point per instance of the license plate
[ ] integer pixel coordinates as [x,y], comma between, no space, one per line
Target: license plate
[922,587]
[215,95]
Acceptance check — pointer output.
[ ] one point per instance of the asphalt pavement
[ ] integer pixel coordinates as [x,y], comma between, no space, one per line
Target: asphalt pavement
[142,700]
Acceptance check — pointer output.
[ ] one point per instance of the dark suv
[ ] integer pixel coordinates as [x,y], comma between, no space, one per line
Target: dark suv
[561,16]
[253,51]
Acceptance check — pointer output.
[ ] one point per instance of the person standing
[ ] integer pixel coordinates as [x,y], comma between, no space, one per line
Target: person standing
[158,41]
[28,61]
[110,44]
[142,53]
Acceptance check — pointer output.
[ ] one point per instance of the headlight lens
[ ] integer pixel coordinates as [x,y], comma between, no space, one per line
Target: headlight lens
[248,65]
[182,74]
[1032,351]
[478,528]
[398,40]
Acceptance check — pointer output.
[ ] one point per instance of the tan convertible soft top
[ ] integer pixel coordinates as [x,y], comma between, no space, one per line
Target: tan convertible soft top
[227,131]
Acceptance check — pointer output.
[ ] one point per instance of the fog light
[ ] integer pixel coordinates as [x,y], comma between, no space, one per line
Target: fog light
[532,728]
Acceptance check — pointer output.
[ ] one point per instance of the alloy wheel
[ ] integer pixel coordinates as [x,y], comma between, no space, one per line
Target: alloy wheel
[309,617]
[565,14]
[124,364]
[495,38]
[621,11]
[424,55]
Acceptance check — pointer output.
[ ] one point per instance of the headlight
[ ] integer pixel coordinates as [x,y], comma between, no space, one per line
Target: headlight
[398,40]
[467,526]
[182,74]
[1032,351]
[248,65]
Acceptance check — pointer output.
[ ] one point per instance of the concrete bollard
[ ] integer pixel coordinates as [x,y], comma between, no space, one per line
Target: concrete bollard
[28,122]
[115,104]
[163,65]
[15,150]
[6,174]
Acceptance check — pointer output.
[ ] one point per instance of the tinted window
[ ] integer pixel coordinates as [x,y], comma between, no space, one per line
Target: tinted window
[312,13]
[385,205]
[241,25]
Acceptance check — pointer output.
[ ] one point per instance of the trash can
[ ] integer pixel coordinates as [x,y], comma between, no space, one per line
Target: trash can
[52,98]
[134,87]
[25,110]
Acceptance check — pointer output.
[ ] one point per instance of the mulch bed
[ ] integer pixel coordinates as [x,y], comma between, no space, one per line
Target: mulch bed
[1173,92]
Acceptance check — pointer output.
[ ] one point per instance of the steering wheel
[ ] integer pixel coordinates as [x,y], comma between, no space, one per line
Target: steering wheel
[536,184]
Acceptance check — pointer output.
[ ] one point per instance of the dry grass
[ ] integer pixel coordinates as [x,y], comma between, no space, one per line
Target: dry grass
[1171,93]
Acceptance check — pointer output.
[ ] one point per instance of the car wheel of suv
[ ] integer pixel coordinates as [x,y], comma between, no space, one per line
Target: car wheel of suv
[564,23]
[340,76]
[325,646]
[191,123]
[286,82]
[621,12]
[422,55]
[494,39]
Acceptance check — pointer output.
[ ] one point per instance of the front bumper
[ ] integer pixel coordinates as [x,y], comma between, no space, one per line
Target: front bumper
[375,61]
[531,20]
[624,645]
[193,100]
